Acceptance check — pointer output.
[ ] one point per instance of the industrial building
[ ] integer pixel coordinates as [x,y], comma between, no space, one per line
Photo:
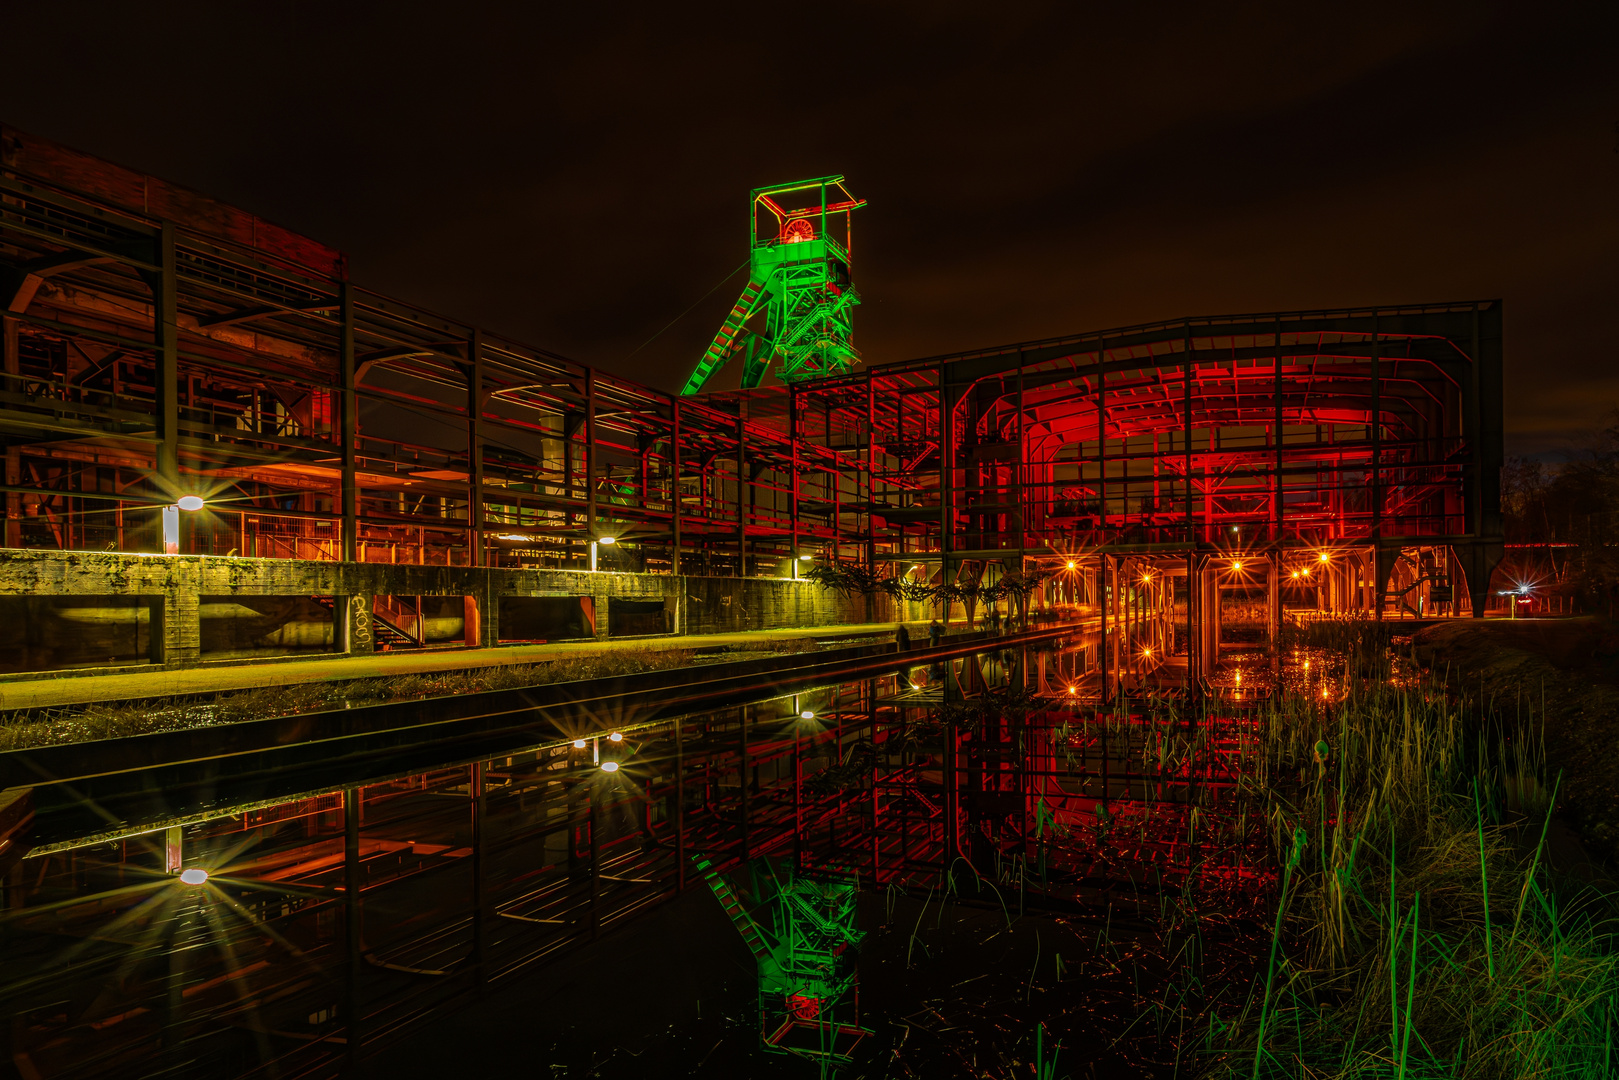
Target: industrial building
[219,449]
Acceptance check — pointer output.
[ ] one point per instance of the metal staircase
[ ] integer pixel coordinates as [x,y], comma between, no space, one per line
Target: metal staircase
[725,340]
[750,930]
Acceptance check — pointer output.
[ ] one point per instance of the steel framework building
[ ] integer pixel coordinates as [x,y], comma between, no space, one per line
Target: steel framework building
[158,343]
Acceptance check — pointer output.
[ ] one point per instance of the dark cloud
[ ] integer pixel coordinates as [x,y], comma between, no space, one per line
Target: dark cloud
[576,176]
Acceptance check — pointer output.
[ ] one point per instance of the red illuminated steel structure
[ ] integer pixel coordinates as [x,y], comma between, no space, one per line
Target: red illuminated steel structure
[157,343]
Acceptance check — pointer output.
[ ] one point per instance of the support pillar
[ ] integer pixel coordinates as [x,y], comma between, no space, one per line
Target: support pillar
[353,930]
[348,427]
[11,365]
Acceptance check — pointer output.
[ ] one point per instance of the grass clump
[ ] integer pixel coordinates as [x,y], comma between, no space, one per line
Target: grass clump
[1420,932]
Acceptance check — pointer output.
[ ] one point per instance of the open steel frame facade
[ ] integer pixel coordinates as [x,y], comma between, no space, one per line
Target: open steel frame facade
[157,343]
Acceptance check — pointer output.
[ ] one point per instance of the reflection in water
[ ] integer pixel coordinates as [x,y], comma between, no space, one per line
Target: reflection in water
[266,938]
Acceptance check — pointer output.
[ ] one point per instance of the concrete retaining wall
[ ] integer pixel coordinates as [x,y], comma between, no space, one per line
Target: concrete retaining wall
[173,584]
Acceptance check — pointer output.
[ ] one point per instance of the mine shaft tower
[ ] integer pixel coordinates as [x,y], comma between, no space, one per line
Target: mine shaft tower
[798,275]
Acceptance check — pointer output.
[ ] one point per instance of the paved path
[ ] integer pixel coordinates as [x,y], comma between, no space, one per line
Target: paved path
[83,689]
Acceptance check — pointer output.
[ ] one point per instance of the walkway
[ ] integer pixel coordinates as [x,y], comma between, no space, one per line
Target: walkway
[220,676]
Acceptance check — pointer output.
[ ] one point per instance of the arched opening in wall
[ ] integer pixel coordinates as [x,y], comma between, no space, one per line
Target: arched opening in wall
[1423,581]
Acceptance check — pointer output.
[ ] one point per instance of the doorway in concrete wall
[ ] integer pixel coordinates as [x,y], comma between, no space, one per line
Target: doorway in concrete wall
[546,618]
[47,633]
[416,622]
[637,618]
[244,627]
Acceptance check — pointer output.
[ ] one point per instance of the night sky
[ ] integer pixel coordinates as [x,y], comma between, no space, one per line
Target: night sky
[576,175]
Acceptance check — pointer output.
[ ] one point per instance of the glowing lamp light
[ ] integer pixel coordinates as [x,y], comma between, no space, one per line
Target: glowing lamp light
[806,715]
[1325,557]
[607,541]
[1147,652]
[804,558]
[1295,573]
[615,737]
[609,766]
[194,876]
[189,502]
[578,744]
[1070,564]
[1073,689]
[1234,528]
[1236,565]
[1306,571]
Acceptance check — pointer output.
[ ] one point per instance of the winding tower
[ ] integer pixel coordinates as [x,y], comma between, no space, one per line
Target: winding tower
[799,278]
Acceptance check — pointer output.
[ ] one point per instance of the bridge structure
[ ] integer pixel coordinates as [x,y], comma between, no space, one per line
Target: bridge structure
[160,346]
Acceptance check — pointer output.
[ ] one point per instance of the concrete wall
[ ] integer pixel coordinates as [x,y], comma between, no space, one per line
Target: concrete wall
[173,584]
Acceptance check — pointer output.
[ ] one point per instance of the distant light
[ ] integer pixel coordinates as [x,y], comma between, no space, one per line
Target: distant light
[190,502]
[609,541]
[1145,578]
[1234,528]
[578,744]
[1073,689]
[615,737]
[1236,565]
[1147,651]
[1325,557]
[1295,573]
[1070,564]
[806,715]
[514,536]
[194,876]
[1306,571]
[1523,590]
[609,766]
[804,558]
[1307,665]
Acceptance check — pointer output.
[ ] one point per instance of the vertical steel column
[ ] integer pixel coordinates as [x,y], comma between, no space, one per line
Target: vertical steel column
[592,796]
[947,517]
[1376,492]
[353,932]
[1186,435]
[1277,509]
[742,780]
[479,800]
[349,419]
[475,373]
[1018,480]
[680,809]
[10,364]
[1101,610]
[674,504]
[793,479]
[871,481]
[743,489]
[590,456]
[166,338]
[1101,439]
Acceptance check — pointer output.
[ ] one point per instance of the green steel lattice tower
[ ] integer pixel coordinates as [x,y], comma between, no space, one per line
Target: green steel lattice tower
[798,275]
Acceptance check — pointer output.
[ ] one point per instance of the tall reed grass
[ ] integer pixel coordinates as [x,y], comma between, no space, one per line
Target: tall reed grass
[1421,933]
